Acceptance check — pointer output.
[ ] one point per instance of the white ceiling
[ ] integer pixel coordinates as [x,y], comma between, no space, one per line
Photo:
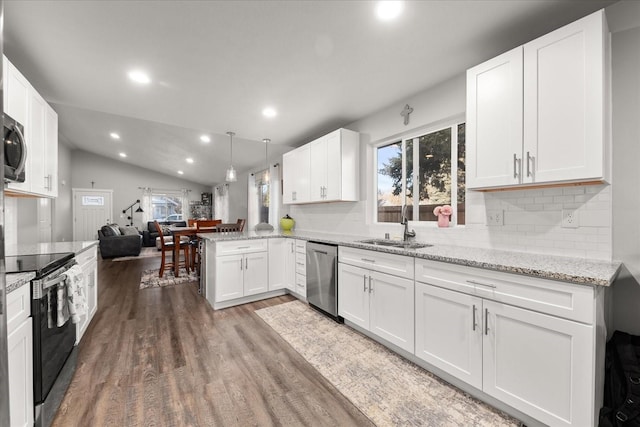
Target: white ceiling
[216,64]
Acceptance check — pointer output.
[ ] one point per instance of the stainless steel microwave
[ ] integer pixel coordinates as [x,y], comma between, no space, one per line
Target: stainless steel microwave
[15,150]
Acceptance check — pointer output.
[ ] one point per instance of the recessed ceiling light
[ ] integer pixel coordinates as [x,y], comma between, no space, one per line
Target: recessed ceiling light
[205,138]
[139,77]
[388,10]
[114,135]
[180,173]
[189,160]
[123,154]
[269,112]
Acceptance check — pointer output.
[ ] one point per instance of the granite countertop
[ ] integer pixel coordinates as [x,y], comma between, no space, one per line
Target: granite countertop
[565,269]
[76,247]
[17,280]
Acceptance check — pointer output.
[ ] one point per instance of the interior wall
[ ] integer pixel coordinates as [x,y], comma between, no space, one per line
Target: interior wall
[238,197]
[62,224]
[626,174]
[92,171]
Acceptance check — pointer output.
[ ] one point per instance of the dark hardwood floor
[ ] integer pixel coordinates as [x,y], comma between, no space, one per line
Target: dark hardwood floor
[163,357]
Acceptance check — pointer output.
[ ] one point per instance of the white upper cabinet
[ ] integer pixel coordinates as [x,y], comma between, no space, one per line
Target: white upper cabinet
[331,173]
[538,114]
[24,104]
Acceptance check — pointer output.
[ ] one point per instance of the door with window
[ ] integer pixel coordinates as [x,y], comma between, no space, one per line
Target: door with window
[91,210]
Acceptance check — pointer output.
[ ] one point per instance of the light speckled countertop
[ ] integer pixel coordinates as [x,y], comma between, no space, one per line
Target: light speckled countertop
[17,280]
[50,248]
[565,269]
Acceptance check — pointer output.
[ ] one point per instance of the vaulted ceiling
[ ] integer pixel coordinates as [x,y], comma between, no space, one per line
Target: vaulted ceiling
[215,65]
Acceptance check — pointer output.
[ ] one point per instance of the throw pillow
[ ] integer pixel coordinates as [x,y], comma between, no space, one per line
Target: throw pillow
[166,231]
[116,229]
[129,231]
[107,231]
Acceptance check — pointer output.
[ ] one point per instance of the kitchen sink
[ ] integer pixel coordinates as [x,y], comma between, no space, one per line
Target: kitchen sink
[395,243]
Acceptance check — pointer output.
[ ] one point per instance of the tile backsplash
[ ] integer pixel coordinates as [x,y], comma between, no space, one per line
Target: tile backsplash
[532,221]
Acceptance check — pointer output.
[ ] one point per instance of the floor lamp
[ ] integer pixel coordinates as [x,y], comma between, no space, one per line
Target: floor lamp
[130,208]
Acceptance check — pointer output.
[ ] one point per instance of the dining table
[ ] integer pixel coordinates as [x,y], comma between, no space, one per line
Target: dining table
[177,232]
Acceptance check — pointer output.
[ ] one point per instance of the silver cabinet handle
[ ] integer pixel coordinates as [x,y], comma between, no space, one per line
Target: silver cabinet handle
[474,282]
[368,260]
[240,263]
[243,247]
[515,162]
[370,285]
[364,283]
[473,322]
[486,321]
[246,263]
[529,159]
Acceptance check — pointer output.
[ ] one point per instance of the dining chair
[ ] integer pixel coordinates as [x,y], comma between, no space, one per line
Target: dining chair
[168,246]
[191,222]
[228,227]
[207,226]
[202,226]
[241,222]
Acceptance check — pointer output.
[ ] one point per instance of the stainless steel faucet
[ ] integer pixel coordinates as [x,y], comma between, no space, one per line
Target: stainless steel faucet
[404,221]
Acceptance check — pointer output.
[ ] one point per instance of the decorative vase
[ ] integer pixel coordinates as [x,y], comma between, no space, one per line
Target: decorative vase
[286,223]
[443,220]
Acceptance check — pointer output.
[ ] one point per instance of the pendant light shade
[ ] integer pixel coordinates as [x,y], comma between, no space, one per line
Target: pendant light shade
[266,157]
[231,172]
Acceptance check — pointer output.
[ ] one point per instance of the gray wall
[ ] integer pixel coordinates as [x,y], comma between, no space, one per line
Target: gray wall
[124,179]
[626,161]
[62,226]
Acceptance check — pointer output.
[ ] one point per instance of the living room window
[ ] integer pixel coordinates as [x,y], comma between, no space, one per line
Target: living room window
[166,205]
[422,171]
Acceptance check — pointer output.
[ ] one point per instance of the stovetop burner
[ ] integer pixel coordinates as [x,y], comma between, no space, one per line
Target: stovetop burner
[42,264]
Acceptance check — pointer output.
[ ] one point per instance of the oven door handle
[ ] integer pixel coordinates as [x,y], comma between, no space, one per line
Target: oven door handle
[23,159]
[54,282]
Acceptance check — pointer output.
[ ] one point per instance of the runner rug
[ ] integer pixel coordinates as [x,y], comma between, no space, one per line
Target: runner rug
[387,388]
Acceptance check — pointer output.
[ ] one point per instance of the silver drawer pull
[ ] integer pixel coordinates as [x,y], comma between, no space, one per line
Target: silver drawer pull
[486,321]
[370,286]
[473,322]
[368,260]
[243,247]
[364,283]
[487,285]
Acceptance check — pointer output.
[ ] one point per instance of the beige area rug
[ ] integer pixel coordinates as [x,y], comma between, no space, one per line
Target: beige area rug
[144,253]
[387,388]
[150,278]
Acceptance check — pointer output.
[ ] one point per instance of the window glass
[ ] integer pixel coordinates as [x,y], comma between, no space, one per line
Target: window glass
[461,173]
[389,169]
[434,172]
[262,185]
[166,207]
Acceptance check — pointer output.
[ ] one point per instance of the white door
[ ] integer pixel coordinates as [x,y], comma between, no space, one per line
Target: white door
[256,273]
[391,308]
[449,332]
[539,364]
[229,281]
[564,94]
[353,294]
[494,121]
[91,210]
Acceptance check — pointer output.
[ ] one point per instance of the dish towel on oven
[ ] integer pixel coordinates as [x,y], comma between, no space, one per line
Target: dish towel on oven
[62,310]
[76,299]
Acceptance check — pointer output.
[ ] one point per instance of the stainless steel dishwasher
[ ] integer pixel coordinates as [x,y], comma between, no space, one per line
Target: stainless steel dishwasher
[322,278]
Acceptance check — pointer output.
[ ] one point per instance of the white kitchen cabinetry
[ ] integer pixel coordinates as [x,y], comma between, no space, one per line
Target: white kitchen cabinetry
[88,262]
[380,303]
[40,121]
[240,270]
[277,262]
[533,344]
[300,268]
[295,175]
[330,173]
[538,114]
[20,342]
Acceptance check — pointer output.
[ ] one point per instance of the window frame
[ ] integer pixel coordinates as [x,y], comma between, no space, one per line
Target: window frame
[410,135]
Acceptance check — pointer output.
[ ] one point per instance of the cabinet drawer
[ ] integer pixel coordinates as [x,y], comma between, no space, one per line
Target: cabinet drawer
[397,265]
[301,264]
[86,256]
[301,285]
[241,246]
[18,307]
[561,299]
[301,246]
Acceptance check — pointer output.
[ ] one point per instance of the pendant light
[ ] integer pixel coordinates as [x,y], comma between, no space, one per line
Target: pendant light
[231,172]
[266,158]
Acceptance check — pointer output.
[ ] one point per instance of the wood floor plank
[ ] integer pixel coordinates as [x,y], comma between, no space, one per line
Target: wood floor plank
[164,357]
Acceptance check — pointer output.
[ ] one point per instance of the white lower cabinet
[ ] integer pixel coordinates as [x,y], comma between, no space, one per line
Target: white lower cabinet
[378,302]
[20,357]
[241,275]
[88,261]
[540,364]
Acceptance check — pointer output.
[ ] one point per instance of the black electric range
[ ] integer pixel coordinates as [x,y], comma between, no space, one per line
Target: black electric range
[42,264]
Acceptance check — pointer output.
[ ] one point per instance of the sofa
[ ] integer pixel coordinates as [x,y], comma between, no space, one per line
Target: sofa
[150,234]
[115,241]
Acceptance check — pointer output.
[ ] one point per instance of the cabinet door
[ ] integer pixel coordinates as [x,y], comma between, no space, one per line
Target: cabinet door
[564,98]
[277,253]
[391,309]
[21,375]
[228,274]
[318,169]
[16,93]
[494,121]
[90,272]
[256,273]
[288,177]
[334,170]
[36,141]
[449,332]
[539,364]
[303,162]
[353,294]
[51,152]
